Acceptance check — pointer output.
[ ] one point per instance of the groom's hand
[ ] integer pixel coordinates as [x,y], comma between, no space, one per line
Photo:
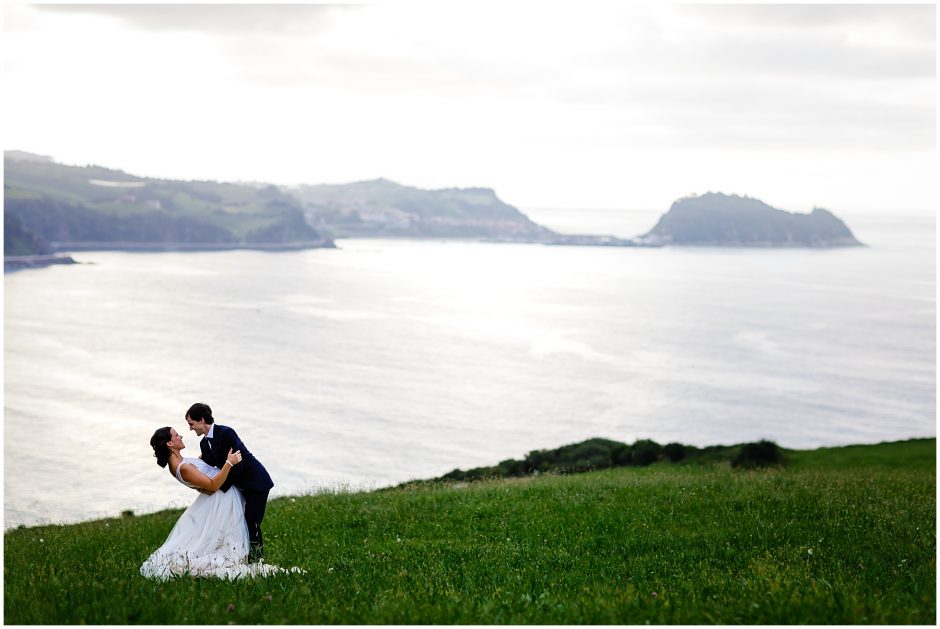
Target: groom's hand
[233,458]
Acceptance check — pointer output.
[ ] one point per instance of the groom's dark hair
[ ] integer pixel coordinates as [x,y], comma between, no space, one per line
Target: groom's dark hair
[200,412]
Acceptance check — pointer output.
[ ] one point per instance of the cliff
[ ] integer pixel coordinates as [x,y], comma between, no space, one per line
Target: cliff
[717,219]
[70,207]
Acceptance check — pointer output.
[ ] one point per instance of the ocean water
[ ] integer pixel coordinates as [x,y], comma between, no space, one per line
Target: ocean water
[388,360]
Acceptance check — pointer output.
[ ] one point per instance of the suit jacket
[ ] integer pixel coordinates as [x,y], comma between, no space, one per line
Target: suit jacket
[249,474]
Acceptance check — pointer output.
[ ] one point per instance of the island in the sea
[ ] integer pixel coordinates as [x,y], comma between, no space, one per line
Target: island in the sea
[716,219]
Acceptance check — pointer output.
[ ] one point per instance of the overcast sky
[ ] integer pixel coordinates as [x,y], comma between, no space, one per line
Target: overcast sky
[553,104]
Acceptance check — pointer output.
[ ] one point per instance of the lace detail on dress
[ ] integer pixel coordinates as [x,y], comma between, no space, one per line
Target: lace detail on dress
[200,465]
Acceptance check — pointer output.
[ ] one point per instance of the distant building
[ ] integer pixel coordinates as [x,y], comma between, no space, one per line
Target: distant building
[105,183]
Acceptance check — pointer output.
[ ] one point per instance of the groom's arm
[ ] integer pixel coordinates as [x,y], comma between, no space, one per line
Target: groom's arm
[229,439]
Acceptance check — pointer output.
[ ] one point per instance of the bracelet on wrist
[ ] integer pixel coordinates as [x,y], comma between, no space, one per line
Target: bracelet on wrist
[230,463]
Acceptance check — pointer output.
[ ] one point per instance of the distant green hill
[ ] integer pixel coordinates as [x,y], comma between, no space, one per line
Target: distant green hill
[730,220]
[72,206]
[75,207]
[385,208]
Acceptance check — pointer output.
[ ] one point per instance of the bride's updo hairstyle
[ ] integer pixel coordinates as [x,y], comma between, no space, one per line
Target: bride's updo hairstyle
[158,442]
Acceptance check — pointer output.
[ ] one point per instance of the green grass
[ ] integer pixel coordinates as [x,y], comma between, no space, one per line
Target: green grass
[845,535]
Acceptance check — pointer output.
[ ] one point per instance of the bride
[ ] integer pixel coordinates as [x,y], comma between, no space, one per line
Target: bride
[211,538]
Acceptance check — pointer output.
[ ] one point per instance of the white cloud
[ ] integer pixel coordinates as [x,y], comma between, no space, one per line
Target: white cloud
[230,19]
[551,104]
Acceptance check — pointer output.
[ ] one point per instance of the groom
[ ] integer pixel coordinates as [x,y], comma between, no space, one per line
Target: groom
[249,475]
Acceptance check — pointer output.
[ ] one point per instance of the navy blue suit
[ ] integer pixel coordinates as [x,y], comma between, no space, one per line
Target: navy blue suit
[249,476]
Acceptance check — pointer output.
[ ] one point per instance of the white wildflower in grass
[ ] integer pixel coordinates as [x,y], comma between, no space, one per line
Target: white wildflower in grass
[398,539]
[809,552]
[41,540]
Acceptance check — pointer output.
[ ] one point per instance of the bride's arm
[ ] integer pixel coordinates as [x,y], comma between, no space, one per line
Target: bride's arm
[210,485]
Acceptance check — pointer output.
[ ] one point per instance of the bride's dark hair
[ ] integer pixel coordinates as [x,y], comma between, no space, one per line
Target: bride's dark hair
[158,442]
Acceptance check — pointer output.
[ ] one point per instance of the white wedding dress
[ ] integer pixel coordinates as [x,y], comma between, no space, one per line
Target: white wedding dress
[210,539]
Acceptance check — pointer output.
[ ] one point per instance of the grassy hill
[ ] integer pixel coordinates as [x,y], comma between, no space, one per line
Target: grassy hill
[92,204]
[85,207]
[385,208]
[840,535]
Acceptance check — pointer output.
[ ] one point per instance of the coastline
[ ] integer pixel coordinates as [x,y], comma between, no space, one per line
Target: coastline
[18,263]
[62,247]
[840,452]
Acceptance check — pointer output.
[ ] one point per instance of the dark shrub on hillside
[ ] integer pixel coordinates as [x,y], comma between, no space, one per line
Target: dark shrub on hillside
[591,454]
[622,455]
[479,473]
[535,461]
[675,451]
[596,462]
[511,467]
[645,452]
[576,457]
[456,474]
[760,454]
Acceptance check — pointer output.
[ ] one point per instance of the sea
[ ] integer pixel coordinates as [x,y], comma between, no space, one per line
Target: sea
[384,361]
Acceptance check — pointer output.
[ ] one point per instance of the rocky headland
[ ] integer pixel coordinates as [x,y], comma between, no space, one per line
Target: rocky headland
[716,219]
[51,207]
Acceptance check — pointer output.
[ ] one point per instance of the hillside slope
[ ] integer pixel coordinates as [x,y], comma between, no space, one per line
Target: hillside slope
[76,207]
[385,208]
[852,543]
